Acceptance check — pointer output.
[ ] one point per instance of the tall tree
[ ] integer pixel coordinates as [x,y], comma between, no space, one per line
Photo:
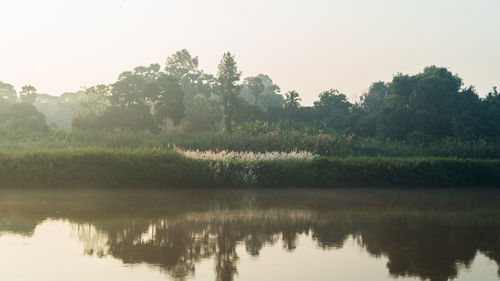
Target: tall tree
[193,81]
[199,88]
[182,66]
[292,100]
[227,78]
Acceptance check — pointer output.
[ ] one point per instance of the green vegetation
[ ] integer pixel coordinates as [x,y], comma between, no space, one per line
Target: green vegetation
[140,168]
[256,137]
[424,129]
[182,99]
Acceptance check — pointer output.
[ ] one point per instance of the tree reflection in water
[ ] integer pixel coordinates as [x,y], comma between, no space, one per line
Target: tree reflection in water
[423,236]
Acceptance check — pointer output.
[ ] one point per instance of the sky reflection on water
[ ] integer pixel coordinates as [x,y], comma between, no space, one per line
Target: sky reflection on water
[249,235]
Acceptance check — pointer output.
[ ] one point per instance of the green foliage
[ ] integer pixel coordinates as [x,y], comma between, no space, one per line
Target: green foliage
[373,100]
[418,137]
[168,102]
[333,109]
[255,86]
[156,168]
[261,91]
[61,110]
[99,168]
[23,118]
[129,89]
[7,92]
[227,77]
[134,118]
[430,102]
[95,100]
[202,114]
[412,110]
[28,94]
[292,101]
[259,137]
[491,114]
[184,67]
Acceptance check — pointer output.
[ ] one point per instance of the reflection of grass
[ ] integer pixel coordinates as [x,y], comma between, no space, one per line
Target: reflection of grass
[90,204]
[147,168]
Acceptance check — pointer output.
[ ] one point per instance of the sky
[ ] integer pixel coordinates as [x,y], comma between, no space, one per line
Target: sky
[307,46]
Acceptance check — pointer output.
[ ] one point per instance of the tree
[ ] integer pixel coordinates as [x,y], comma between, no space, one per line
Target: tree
[333,109]
[372,100]
[129,89]
[7,92]
[202,114]
[256,87]
[59,111]
[135,118]
[269,87]
[193,81]
[466,121]
[426,102]
[28,94]
[292,100]
[24,117]
[227,78]
[260,90]
[95,100]
[169,101]
[395,118]
[184,67]
[150,73]
[491,113]
[198,88]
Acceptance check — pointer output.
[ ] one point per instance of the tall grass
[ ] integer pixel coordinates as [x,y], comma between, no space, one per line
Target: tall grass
[166,168]
[330,145]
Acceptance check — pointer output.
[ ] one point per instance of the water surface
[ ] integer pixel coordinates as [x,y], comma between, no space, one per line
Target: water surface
[251,234]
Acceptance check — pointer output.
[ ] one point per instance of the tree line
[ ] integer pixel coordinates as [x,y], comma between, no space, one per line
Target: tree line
[181,97]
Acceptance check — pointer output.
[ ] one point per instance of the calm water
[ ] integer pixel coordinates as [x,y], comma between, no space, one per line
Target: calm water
[285,234]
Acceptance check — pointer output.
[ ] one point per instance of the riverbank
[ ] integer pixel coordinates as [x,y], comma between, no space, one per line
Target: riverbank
[327,145]
[166,168]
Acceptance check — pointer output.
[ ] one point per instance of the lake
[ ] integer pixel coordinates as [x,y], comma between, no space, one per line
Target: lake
[250,234]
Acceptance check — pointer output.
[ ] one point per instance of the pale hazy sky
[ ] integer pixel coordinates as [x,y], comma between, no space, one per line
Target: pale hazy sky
[309,46]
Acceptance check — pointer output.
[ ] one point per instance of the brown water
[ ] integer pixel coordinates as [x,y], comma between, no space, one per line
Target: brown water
[285,234]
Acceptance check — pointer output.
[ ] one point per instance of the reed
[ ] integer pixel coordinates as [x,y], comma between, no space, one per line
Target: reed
[142,168]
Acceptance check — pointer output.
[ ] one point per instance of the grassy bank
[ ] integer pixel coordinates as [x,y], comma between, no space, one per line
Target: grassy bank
[328,145]
[155,168]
